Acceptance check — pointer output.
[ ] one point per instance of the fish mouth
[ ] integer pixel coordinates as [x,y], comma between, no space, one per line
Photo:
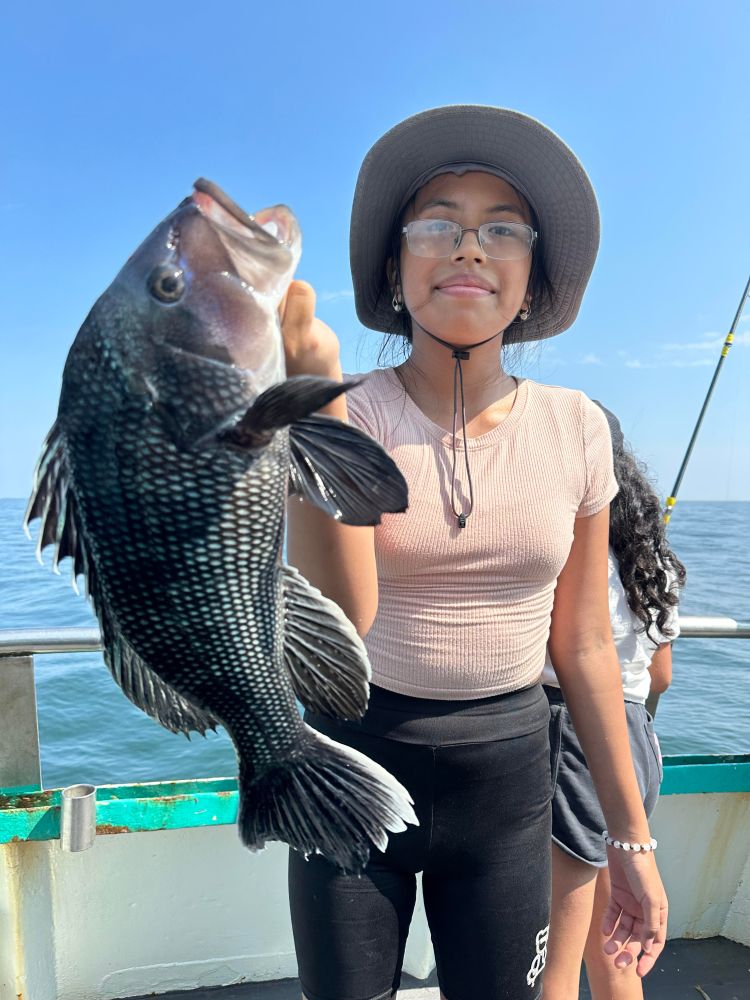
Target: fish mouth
[238,267]
[277,222]
[214,192]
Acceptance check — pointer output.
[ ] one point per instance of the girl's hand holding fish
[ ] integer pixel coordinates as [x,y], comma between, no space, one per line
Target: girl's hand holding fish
[311,347]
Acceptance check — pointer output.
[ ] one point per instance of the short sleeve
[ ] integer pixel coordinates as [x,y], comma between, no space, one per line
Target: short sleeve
[359,406]
[601,485]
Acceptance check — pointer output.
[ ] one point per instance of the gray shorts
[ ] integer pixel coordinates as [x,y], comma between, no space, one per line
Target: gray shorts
[577,818]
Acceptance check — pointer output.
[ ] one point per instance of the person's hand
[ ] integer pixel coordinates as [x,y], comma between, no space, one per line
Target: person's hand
[636,918]
[310,346]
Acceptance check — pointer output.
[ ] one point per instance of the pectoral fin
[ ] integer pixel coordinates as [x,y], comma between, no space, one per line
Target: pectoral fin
[282,405]
[344,472]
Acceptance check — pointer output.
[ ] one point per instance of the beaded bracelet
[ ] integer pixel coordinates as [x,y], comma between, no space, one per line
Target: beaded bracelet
[623,845]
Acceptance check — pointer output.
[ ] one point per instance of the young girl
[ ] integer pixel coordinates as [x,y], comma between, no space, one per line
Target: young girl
[472,227]
[644,575]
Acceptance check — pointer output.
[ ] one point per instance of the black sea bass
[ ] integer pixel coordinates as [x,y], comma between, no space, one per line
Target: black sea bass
[165,479]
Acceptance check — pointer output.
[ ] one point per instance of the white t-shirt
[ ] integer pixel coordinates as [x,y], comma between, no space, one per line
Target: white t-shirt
[635,648]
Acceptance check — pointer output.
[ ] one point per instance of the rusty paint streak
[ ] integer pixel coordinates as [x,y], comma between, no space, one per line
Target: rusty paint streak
[28,801]
[107,828]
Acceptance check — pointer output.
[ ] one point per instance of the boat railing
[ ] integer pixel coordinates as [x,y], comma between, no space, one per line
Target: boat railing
[20,759]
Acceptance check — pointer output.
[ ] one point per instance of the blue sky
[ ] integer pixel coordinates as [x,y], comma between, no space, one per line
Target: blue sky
[112,110]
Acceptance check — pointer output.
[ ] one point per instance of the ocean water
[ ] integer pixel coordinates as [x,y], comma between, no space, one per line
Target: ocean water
[90,732]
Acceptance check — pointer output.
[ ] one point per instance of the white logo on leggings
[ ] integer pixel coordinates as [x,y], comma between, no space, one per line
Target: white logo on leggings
[540,958]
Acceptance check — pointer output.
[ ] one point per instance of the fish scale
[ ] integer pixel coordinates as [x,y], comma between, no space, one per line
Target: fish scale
[165,480]
[230,598]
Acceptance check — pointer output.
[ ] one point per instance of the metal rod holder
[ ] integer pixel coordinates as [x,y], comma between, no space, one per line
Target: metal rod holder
[78,817]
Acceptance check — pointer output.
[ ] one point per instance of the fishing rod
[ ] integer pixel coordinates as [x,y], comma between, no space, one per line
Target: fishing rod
[672,498]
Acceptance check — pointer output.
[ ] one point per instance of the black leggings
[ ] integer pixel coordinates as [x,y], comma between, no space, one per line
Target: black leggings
[482,795]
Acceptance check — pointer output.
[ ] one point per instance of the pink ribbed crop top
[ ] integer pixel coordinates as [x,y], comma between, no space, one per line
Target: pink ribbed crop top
[465,613]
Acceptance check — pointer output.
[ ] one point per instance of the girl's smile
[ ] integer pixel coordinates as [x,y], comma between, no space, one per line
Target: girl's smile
[465,286]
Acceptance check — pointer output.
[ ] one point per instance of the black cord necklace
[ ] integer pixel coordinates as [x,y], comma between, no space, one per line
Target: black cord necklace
[460,354]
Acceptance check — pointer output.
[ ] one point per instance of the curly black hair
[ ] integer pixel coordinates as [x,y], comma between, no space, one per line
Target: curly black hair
[649,569]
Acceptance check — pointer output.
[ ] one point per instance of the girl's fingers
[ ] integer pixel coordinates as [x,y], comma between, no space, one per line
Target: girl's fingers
[611,916]
[654,923]
[624,946]
[653,941]
[622,934]
[297,308]
[646,963]
[635,939]
[630,953]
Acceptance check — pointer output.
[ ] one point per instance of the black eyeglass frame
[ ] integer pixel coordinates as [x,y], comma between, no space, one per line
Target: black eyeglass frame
[467,229]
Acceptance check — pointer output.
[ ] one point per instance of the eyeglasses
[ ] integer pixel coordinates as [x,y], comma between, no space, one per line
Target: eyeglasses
[498,240]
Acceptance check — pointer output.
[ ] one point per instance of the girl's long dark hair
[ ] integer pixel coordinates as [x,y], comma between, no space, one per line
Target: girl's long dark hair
[649,569]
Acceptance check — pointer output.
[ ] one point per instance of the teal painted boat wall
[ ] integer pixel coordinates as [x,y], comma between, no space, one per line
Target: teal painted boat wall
[693,775]
[30,815]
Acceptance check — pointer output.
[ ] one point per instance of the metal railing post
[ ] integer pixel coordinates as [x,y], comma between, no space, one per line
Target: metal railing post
[20,761]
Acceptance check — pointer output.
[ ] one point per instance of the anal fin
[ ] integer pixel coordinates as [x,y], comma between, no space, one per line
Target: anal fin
[154,696]
[325,657]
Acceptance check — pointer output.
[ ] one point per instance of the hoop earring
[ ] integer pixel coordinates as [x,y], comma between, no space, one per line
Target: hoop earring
[524,313]
[397,302]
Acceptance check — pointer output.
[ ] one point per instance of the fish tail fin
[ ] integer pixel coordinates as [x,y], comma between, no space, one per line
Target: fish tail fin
[328,799]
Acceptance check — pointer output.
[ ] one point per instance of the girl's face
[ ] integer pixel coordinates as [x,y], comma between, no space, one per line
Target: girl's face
[468,296]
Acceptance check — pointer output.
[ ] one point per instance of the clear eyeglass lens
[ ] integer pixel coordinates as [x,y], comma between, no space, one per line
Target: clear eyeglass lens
[506,240]
[439,238]
[432,237]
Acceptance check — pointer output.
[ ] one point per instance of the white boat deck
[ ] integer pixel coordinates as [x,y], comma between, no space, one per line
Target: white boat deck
[710,969]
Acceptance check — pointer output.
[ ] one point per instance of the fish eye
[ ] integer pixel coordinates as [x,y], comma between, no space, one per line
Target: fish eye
[166,284]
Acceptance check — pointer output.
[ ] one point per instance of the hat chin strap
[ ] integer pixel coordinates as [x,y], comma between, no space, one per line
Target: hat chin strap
[460,354]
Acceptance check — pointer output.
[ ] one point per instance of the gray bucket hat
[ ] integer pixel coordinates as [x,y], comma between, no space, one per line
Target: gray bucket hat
[507,143]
